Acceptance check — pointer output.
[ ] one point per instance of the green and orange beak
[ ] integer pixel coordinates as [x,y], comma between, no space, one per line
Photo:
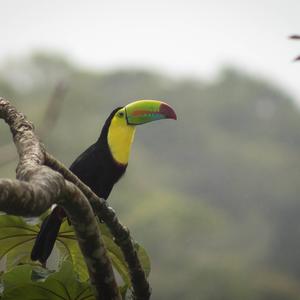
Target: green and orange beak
[145,111]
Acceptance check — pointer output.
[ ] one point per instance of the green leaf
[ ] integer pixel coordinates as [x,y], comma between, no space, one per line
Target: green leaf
[59,285]
[70,251]
[40,273]
[17,237]
[18,276]
[69,247]
[144,258]
[16,240]
[113,248]
[123,291]
[67,244]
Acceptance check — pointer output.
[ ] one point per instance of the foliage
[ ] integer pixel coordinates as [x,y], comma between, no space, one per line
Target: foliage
[20,283]
[17,237]
[213,197]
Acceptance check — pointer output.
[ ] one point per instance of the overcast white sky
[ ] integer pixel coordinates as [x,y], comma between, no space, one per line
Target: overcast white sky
[185,37]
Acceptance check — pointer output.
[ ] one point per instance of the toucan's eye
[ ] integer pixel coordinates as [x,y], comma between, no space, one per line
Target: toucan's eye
[121,114]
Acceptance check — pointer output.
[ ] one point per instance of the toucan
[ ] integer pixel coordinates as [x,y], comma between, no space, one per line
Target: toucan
[103,163]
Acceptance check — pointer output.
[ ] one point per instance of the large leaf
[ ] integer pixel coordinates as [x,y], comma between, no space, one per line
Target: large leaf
[18,285]
[144,258]
[16,240]
[142,254]
[70,249]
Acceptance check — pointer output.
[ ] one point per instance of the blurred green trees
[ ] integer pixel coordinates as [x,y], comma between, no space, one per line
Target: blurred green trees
[213,197]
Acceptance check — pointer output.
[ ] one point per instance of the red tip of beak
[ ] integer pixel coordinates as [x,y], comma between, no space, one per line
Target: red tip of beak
[167,111]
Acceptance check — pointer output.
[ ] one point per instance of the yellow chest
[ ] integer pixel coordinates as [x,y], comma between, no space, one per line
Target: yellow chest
[120,138]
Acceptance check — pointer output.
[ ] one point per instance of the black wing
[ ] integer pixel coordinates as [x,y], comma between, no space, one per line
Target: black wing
[98,170]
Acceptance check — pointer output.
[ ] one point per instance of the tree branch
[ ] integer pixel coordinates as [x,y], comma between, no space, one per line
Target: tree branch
[39,187]
[141,288]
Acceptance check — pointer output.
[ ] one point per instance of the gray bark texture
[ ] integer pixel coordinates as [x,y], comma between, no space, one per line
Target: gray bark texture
[38,187]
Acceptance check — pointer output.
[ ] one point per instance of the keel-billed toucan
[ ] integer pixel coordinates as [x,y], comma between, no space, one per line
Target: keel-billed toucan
[103,163]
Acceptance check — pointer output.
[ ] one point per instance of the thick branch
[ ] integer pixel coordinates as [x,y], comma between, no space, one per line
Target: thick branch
[122,236]
[92,246]
[39,187]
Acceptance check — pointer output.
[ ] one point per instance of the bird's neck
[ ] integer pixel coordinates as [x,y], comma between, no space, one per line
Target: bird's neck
[119,139]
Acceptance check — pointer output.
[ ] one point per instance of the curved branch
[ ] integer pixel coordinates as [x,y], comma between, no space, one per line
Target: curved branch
[39,187]
[141,288]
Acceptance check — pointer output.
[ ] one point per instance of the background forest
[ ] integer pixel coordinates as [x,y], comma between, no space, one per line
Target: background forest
[213,197]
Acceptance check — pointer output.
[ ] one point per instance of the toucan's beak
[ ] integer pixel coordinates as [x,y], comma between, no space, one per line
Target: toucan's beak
[145,111]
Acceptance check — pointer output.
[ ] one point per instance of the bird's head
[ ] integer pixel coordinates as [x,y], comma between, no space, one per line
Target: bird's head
[123,121]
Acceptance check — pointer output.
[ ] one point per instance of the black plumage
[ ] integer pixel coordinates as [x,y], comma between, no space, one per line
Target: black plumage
[95,167]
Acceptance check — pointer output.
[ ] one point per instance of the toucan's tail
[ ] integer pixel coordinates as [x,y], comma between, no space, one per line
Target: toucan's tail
[46,238]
